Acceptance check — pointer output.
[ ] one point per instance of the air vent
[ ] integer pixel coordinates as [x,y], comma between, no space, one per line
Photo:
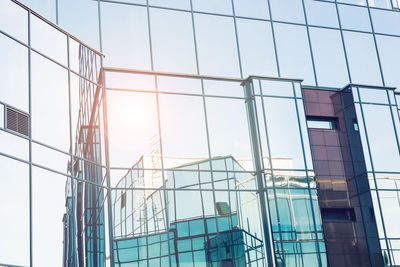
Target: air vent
[17,121]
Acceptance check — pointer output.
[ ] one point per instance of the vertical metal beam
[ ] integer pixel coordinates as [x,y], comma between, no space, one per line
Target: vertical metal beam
[258,165]
[107,156]
[30,139]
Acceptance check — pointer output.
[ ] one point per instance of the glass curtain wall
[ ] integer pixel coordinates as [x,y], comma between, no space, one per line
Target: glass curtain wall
[198,193]
[356,40]
[41,75]
[288,180]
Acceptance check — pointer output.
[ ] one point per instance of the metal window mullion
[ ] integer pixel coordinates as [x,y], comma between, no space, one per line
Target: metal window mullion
[71,150]
[393,119]
[343,42]
[107,158]
[237,39]
[375,44]
[309,43]
[30,141]
[274,39]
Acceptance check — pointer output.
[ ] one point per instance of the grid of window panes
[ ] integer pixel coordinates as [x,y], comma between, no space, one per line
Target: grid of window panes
[379,127]
[308,39]
[40,78]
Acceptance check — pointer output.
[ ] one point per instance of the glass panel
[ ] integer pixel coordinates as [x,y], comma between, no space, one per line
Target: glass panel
[373,95]
[133,128]
[1,116]
[14,20]
[390,212]
[321,13]
[183,128]
[120,80]
[354,2]
[50,115]
[329,57]
[294,51]
[354,18]
[257,9]
[219,7]
[125,36]
[47,217]
[14,199]
[179,85]
[48,40]
[219,57]
[179,4]
[283,131]
[363,62]
[49,158]
[276,88]
[14,145]
[321,124]
[390,58]
[14,74]
[363,137]
[286,10]
[46,8]
[384,20]
[228,130]
[172,41]
[256,48]
[382,141]
[381,3]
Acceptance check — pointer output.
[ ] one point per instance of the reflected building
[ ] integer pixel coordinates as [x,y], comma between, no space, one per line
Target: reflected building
[265,133]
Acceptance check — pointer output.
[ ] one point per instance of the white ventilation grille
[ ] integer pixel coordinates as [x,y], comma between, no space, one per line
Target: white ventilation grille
[17,121]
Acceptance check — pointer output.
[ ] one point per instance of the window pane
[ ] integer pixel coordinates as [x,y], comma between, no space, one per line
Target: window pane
[14,74]
[46,8]
[47,217]
[183,127]
[257,8]
[283,131]
[384,21]
[390,59]
[125,36]
[227,123]
[133,128]
[219,7]
[354,18]
[329,57]
[179,4]
[14,223]
[84,23]
[50,107]
[1,116]
[286,10]
[256,46]
[294,52]
[321,13]
[217,57]
[381,137]
[321,124]
[14,20]
[363,62]
[172,41]
[48,40]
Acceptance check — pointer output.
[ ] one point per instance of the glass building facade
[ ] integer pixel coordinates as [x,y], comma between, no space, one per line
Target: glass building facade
[199,133]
